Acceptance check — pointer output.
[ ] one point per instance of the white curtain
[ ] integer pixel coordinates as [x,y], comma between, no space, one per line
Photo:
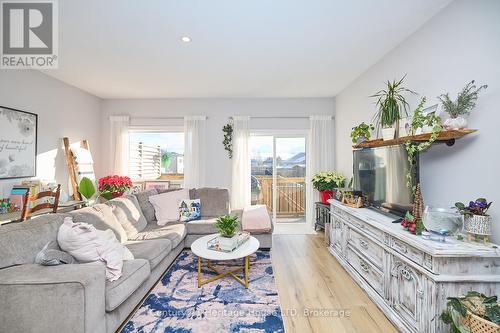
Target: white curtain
[119,140]
[240,190]
[194,151]
[319,156]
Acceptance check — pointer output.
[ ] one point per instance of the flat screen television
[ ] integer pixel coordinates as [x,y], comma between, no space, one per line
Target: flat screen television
[380,173]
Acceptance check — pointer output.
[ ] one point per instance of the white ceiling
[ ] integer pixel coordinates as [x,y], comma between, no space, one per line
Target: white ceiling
[252,48]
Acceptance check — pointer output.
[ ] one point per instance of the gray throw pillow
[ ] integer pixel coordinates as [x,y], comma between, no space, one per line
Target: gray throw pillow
[52,255]
[147,208]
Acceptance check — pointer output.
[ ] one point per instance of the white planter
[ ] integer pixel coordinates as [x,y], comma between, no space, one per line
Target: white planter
[388,133]
[478,224]
[228,244]
[455,123]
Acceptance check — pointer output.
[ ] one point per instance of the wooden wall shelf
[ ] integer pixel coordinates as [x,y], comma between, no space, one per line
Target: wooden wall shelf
[447,137]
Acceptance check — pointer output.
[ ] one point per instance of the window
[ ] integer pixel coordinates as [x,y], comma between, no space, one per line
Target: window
[156,155]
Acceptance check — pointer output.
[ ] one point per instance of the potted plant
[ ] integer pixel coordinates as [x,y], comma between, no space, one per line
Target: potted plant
[361,133]
[465,102]
[391,103]
[326,182]
[114,186]
[227,226]
[476,221]
[474,312]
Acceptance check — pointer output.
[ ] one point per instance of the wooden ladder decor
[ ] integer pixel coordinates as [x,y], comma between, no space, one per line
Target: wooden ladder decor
[70,162]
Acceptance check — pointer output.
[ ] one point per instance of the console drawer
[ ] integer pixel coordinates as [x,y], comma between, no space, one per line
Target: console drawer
[364,245]
[367,270]
[366,228]
[408,251]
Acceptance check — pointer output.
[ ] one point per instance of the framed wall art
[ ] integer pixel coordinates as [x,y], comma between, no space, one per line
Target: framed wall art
[18,143]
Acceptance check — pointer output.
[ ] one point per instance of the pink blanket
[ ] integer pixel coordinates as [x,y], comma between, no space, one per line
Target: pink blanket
[256,219]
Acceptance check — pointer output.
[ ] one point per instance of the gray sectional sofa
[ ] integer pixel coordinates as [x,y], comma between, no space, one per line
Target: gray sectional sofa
[77,298]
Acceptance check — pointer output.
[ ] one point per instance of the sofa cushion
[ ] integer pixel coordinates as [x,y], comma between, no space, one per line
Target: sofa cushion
[204,226]
[153,250]
[173,232]
[20,242]
[166,205]
[146,207]
[128,213]
[214,201]
[134,273]
[101,217]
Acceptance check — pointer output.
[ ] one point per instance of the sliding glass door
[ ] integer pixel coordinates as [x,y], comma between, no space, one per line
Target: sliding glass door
[278,175]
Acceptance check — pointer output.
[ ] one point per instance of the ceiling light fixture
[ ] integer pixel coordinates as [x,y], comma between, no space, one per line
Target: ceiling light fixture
[186,39]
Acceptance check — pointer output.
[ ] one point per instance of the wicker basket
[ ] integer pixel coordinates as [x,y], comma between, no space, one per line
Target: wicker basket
[476,324]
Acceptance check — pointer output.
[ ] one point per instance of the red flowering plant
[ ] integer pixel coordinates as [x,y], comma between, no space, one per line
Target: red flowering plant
[114,186]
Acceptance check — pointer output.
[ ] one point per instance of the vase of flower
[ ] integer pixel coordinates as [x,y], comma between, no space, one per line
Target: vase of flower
[326,183]
[476,221]
[114,186]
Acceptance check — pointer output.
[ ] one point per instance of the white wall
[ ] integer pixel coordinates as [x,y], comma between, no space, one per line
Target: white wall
[62,111]
[457,45]
[218,112]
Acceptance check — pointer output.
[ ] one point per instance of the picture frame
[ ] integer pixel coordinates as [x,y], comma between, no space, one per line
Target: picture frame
[157,184]
[18,143]
[405,126]
[435,109]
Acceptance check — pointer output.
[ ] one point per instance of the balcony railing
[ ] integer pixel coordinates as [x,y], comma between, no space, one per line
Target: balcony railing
[290,195]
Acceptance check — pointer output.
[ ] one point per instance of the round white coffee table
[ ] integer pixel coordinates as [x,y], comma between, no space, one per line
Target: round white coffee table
[199,248]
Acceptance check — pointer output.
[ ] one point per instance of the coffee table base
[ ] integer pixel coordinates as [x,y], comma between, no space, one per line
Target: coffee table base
[243,282]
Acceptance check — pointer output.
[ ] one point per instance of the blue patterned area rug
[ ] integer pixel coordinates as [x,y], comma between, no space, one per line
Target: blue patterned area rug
[176,304]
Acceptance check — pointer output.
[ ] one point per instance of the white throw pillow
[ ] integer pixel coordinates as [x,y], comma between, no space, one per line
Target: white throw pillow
[166,205]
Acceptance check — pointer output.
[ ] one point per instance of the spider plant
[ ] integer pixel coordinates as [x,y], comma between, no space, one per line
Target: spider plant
[391,103]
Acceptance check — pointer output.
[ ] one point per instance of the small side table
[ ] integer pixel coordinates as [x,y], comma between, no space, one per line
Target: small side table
[322,215]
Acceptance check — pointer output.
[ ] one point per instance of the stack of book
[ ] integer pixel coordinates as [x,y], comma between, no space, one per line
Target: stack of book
[240,238]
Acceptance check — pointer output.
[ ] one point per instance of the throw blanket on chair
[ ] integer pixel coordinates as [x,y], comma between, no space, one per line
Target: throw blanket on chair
[256,219]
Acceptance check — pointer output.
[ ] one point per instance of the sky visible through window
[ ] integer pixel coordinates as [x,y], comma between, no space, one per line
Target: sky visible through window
[170,142]
[262,146]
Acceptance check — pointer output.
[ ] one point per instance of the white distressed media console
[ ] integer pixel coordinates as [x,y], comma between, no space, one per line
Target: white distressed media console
[408,277]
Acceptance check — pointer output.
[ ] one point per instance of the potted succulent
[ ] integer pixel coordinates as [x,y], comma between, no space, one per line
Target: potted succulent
[474,312]
[391,104]
[465,102]
[326,182]
[361,133]
[114,186]
[476,221]
[227,226]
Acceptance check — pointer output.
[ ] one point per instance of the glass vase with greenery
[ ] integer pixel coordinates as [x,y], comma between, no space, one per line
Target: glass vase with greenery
[457,109]
[227,225]
[391,104]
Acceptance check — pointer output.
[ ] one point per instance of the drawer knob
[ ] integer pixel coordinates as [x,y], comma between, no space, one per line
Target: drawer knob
[363,244]
[364,266]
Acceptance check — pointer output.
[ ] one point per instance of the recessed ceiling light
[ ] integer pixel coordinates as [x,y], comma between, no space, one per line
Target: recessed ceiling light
[186,39]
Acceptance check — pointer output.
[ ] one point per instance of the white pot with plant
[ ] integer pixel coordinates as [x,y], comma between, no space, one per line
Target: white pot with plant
[361,133]
[465,102]
[391,103]
[227,226]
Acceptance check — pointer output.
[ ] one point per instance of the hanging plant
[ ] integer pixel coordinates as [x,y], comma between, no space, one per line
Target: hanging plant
[412,147]
[228,138]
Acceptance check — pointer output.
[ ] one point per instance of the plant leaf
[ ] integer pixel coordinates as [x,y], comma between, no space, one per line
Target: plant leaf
[86,188]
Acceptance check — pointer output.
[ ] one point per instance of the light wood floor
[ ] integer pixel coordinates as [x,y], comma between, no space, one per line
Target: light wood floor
[308,277]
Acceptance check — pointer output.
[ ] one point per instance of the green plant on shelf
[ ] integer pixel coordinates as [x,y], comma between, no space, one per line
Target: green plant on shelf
[391,103]
[413,148]
[465,102]
[361,131]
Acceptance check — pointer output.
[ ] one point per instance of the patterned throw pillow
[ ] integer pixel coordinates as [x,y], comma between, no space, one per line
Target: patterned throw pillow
[189,210]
